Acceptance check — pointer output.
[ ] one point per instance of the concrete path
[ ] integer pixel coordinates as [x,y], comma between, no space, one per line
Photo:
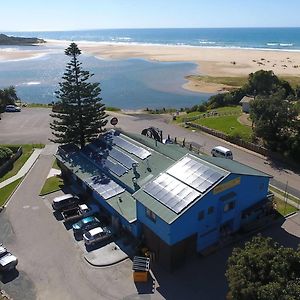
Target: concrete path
[24,170]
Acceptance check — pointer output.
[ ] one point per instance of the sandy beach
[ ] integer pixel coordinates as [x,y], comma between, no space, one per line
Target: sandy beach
[216,62]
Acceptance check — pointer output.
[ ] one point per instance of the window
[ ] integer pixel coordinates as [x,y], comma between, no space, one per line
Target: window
[151,215]
[210,210]
[229,206]
[201,215]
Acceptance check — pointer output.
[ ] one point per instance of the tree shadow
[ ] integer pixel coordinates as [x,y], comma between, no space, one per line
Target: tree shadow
[203,277]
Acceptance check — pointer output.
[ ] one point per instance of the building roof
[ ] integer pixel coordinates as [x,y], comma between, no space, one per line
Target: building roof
[95,165]
[246,99]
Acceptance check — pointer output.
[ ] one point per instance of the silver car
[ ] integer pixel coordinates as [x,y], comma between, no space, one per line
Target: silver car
[96,234]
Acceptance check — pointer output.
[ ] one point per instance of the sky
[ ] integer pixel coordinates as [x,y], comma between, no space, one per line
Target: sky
[37,15]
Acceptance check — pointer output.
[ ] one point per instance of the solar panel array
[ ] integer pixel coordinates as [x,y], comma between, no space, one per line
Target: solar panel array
[195,174]
[104,186]
[131,148]
[122,158]
[114,167]
[171,192]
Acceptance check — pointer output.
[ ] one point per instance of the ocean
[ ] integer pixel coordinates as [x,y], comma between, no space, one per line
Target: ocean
[134,83]
[252,38]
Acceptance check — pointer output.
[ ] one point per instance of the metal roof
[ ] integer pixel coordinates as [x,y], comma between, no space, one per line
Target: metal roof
[158,158]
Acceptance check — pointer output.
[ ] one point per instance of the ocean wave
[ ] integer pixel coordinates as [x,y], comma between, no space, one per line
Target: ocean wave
[286,45]
[280,44]
[32,83]
[205,42]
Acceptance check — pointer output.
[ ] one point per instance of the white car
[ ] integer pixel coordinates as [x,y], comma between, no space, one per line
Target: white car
[96,234]
[12,108]
[7,260]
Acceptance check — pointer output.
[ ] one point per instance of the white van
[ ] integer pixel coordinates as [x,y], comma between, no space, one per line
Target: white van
[64,201]
[220,151]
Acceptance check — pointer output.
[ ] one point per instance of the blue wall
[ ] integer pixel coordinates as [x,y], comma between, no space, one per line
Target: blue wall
[159,227]
[251,190]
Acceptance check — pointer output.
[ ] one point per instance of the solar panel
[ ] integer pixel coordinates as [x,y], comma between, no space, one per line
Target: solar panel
[122,158]
[195,174]
[131,148]
[114,167]
[171,192]
[104,186]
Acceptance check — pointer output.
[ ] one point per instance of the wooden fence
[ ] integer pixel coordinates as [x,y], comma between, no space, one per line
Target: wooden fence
[231,139]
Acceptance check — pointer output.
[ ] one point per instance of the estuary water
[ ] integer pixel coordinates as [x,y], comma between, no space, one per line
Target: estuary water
[126,84]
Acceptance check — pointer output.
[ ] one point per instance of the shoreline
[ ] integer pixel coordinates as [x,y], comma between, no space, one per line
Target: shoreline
[210,61]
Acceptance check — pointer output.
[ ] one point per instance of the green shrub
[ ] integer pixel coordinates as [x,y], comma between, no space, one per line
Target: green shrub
[5,154]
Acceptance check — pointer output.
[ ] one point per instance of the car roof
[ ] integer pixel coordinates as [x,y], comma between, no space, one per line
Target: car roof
[8,258]
[88,219]
[95,230]
[61,198]
[221,148]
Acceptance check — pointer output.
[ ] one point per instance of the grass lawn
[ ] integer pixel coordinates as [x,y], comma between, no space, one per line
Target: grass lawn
[238,81]
[6,191]
[228,125]
[290,197]
[52,184]
[284,208]
[230,81]
[27,150]
[220,110]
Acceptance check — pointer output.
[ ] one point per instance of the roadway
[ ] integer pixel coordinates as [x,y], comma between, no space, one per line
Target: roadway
[281,174]
[32,126]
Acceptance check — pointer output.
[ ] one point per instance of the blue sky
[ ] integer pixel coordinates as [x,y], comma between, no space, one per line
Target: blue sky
[20,15]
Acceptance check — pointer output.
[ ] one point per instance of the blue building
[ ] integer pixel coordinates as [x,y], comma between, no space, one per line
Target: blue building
[178,202]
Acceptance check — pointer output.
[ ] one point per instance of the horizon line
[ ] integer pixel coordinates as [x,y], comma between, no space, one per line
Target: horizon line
[157,28]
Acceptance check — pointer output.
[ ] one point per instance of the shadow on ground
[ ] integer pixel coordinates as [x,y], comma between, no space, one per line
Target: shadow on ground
[204,277]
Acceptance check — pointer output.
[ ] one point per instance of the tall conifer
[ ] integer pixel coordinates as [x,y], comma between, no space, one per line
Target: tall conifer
[81,115]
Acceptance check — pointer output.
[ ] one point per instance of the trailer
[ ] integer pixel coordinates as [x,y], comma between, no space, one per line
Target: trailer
[78,212]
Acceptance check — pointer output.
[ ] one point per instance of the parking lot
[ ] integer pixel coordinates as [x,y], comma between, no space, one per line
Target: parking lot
[31,125]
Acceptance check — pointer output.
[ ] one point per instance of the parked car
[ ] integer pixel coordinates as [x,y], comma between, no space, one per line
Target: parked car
[223,152]
[85,224]
[65,201]
[7,260]
[12,108]
[97,234]
[78,212]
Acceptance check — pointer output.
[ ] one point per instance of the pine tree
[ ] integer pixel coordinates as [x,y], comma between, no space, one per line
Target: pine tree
[81,115]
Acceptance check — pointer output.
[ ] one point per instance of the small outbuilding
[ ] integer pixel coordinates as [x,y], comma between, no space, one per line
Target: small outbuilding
[245,102]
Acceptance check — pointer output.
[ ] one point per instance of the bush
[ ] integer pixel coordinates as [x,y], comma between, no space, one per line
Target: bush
[5,154]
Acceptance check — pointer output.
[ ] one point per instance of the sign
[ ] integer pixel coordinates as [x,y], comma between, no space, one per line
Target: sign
[114,121]
[227,185]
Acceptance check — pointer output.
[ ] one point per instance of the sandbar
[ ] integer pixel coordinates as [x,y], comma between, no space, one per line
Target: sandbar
[215,62]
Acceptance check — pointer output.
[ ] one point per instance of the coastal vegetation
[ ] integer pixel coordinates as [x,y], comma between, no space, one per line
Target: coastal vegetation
[81,115]
[11,40]
[264,270]
[8,96]
[233,82]
[273,113]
